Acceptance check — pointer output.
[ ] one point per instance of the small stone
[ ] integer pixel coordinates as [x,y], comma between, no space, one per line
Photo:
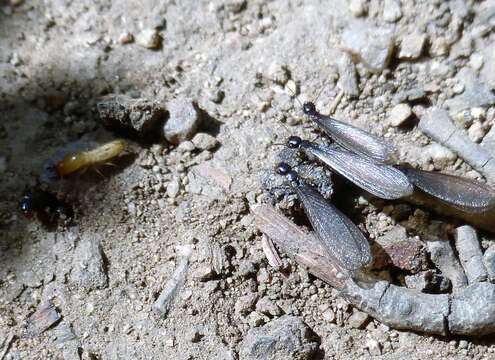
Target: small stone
[411,46]
[149,38]
[183,122]
[268,307]
[126,38]
[439,47]
[440,155]
[235,6]
[194,336]
[372,45]
[284,338]
[476,131]
[173,188]
[428,282]
[203,141]
[279,74]
[88,265]
[476,93]
[488,70]
[399,114]
[245,304]
[205,272]
[347,75]
[458,89]
[391,10]
[140,117]
[255,319]
[463,344]
[186,146]
[358,7]
[44,318]
[246,268]
[374,347]
[358,319]
[329,316]
[476,61]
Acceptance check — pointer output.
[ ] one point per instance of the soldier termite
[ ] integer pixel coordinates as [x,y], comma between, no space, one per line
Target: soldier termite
[461,193]
[381,180]
[353,138]
[83,159]
[342,239]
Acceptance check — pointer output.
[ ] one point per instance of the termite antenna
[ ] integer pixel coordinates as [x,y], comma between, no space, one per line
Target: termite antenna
[293,92]
[317,96]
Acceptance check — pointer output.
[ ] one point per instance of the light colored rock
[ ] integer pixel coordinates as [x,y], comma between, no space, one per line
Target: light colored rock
[372,45]
[411,46]
[391,10]
[476,131]
[476,61]
[347,75]
[358,7]
[358,319]
[268,307]
[439,155]
[173,188]
[468,247]
[399,114]
[149,38]
[204,141]
[183,122]
[245,304]
[88,265]
[488,70]
[439,47]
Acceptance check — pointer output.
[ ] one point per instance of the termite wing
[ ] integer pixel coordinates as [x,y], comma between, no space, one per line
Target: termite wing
[352,138]
[463,194]
[381,180]
[342,239]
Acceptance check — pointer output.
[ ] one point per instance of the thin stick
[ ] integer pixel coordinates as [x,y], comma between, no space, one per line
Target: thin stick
[336,102]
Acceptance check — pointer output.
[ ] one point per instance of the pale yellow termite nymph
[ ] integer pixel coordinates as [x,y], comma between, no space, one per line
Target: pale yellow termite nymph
[82,159]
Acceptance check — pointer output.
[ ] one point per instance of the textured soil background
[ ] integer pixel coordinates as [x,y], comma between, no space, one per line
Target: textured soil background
[239,61]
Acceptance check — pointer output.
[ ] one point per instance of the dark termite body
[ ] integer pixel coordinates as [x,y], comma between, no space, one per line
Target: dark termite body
[352,138]
[381,180]
[343,240]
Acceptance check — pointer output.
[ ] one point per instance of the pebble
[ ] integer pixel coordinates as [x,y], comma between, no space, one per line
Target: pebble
[412,45]
[329,316]
[358,319]
[149,39]
[255,319]
[374,347]
[126,38]
[476,61]
[488,70]
[268,307]
[88,265]
[440,155]
[204,141]
[391,11]
[183,122]
[278,73]
[476,132]
[399,114]
[476,93]
[141,117]
[439,47]
[245,304]
[287,337]
[347,75]
[373,45]
[246,268]
[358,7]
[194,335]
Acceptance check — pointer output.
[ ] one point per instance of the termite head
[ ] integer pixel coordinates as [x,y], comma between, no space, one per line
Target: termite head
[26,204]
[286,170]
[309,108]
[294,142]
[70,164]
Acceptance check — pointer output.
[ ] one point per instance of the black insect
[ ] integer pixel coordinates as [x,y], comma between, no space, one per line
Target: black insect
[45,204]
[353,138]
[461,193]
[343,240]
[381,180]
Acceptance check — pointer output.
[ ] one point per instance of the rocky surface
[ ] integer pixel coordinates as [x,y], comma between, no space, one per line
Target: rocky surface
[246,65]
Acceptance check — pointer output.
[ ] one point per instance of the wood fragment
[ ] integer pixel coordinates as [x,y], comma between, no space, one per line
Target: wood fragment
[270,252]
[468,247]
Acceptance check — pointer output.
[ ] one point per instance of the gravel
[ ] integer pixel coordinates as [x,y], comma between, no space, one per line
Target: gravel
[183,122]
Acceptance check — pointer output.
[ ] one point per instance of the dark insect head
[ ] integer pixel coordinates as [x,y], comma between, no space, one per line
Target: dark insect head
[283,168]
[293,142]
[309,108]
[27,205]
[292,176]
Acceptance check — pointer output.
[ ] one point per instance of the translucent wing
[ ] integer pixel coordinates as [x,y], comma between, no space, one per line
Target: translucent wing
[357,140]
[343,240]
[465,194]
[383,181]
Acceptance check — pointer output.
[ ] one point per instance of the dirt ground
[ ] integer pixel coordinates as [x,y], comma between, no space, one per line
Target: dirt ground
[240,62]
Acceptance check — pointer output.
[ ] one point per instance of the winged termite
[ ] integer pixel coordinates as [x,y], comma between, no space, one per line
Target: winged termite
[342,239]
[462,193]
[353,138]
[381,180]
